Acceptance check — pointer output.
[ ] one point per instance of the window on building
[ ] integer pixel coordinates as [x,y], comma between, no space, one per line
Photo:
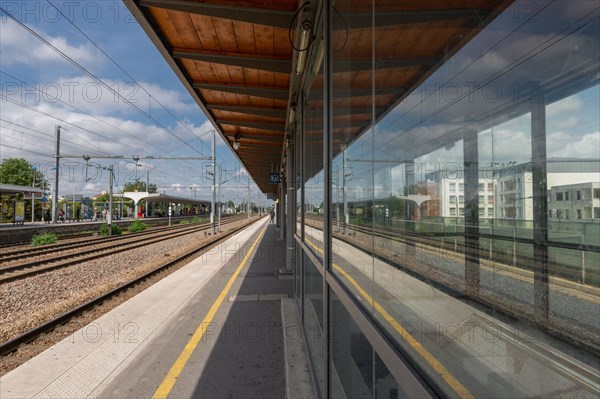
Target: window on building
[597,193]
[481,211]
[559,196]
[566,195]
[481,187]
[453,199]
[490,212]
[461,199]
[452,211]
[596,213]
[481,199]
[490,186]
[490,199]
[566,214]
[578,195]
[452,187]
[461,211]
[578,212]
[461,187]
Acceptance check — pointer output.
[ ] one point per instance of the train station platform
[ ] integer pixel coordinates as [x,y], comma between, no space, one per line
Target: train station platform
[220,327]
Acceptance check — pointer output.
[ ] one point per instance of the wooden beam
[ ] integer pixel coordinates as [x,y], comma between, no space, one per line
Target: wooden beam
[243,60]
[260,16]
[274,127]
[249,110]
[275,93]
[471,16]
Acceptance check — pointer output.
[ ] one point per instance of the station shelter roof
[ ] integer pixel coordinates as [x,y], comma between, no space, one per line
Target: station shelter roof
[163,198]
[237,60]
[9,189]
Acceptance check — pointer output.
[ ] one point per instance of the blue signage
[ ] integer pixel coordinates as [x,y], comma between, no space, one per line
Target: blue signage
[274,178]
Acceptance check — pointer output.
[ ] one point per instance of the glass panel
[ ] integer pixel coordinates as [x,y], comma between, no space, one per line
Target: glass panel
[352,115]
[313,168]
[445,192]
[313,319]
[299,183]
[573,175]
[298,274]
[386,387]
[351,374]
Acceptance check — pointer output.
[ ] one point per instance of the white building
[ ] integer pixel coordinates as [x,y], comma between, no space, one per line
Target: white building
[575,202]
[507,193]
[452,194]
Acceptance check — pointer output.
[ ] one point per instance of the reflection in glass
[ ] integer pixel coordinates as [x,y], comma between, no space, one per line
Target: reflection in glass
[468,195]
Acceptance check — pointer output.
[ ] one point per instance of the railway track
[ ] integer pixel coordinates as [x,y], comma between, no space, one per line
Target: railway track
[85,251]
[30,335]
[20,253]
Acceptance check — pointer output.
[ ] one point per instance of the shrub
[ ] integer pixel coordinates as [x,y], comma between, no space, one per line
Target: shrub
[116,230]
[43,239]
[136,226]
[184,222]
[198,219]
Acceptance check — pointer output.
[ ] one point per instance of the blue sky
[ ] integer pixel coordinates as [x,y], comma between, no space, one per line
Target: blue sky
[64,79]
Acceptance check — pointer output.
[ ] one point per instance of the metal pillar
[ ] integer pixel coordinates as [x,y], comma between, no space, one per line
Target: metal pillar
[540,210]
[56,176]
[33,198]
[220,204]
[345,190]
[249,207]
[291,208]
[471,179]
[214,180]
[110,200]
[147,190]
[281,209]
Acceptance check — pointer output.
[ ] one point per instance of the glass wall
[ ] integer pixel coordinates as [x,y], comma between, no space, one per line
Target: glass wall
[465,198]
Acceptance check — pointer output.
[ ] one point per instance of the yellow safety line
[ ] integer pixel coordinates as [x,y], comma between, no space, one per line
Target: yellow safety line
[459,388]
[165,387]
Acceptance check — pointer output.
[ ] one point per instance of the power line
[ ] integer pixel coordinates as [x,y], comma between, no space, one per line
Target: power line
[83,112]
[91,75]
[124,71]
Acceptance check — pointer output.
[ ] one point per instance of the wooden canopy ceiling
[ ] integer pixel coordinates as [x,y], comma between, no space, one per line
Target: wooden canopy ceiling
[235,58]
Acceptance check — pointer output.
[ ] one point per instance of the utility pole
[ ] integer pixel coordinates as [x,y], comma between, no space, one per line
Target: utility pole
[147,188]
[56,175]
[110,200]
[33,198]
[249,208]
[214,179]
[220,204]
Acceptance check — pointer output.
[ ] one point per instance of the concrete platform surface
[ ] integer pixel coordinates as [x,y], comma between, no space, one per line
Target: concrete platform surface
[128,352]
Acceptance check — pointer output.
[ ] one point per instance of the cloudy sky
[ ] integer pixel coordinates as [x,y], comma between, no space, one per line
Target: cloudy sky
[89,68]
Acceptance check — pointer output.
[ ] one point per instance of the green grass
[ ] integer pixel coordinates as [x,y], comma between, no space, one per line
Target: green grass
[137,226]
[116,230]
[44,239]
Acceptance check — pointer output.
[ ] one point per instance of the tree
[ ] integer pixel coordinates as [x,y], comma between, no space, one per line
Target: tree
[139,186]
[20,172]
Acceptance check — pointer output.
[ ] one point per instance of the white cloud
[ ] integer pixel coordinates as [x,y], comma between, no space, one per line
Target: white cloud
[564,145]
[15,39]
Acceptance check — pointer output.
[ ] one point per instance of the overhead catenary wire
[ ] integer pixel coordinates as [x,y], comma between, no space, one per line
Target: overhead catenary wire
[124,71]
[95,78]
[136,149]
[91,75]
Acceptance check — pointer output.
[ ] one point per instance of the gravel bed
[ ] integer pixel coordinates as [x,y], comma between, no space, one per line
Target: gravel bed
[25,304]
